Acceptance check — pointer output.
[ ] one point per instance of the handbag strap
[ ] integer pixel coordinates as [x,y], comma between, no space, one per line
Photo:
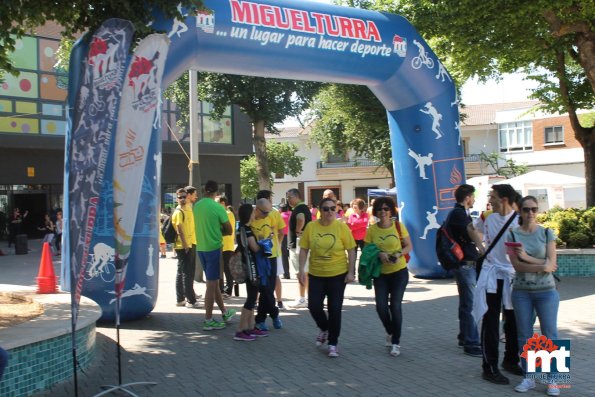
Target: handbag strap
[500,233]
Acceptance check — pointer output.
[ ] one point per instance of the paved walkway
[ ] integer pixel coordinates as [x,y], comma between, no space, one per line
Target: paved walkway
[169,347]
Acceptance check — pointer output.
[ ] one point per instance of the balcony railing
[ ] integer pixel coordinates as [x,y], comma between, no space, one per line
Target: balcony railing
[472,158]
[347,164]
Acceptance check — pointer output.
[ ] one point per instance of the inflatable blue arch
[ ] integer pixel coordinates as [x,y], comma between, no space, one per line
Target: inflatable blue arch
[318,42]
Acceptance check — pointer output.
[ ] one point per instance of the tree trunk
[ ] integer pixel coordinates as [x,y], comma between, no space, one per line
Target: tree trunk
[260,151]
[589,147]
[585,136]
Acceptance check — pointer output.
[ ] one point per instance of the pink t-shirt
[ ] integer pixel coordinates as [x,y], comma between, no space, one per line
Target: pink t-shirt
[285,215]
[358,224]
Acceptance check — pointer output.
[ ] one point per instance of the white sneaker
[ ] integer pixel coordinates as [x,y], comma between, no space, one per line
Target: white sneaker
[553,390]
[525,385]
[332,351]
[395,350]
[300,302]
[389,341]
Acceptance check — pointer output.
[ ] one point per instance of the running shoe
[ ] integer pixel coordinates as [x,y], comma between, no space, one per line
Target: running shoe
[212,324]
[321,338]
[277,323]
[228,315]
[244,336]
[332,351]
[262,326]
[258,333]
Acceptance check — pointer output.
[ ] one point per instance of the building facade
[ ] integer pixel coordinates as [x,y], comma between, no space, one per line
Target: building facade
[517,132]
[347,175]
[33,122]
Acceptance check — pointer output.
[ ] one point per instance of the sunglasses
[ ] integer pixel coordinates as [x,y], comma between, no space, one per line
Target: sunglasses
[384,209]
[265,213]
[526,210]
[181,197]
[327,209]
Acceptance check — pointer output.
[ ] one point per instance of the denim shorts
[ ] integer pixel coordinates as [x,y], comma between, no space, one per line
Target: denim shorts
[211,264]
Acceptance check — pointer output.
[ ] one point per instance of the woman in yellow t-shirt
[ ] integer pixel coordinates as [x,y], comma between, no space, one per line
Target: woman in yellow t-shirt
[394,243]
[327,240]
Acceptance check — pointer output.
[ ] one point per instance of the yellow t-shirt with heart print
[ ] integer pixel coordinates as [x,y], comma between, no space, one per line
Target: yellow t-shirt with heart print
[388,240]
[327,245]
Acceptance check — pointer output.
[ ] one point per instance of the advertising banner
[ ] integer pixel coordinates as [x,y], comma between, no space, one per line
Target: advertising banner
[93,122]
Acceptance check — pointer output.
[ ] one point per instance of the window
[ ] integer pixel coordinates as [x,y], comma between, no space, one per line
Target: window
[517,136]
[554,134]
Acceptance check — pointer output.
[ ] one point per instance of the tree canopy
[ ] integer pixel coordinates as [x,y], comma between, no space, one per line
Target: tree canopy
[282,159]
[266,102]
[18,17]
[350,117]
[552,41]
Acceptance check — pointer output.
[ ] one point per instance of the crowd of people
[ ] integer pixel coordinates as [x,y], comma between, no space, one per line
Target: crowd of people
[516,279]
[321,247]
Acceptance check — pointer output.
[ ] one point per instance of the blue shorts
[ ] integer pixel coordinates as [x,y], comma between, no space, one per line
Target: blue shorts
[211,264]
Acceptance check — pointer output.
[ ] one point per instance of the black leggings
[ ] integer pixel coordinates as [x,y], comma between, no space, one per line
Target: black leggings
[266,300]
[333,288]
[252,294]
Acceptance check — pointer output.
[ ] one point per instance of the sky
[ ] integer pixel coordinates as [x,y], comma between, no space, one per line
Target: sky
[511,88]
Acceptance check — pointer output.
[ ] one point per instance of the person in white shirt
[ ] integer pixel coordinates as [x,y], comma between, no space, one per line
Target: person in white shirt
[493,289]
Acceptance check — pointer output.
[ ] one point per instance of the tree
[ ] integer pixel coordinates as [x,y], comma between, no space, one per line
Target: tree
[553,41]
[17,17]
[266,102]
[510,170]
[350,117]
[282,159]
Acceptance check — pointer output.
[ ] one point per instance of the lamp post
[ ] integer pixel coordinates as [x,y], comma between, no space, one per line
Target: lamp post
[194,166]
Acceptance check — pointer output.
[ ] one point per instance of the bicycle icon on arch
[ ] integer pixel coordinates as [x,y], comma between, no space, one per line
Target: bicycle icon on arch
[101,263]
[422,58]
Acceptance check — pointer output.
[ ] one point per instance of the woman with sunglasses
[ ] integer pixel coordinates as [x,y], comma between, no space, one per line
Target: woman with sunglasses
[532,252]
[327,240]
[394,243]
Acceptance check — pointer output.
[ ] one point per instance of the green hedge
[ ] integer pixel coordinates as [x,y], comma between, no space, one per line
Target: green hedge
[574,227]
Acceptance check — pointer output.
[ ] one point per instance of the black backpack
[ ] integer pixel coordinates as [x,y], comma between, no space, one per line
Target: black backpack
[449,252]
[169,230]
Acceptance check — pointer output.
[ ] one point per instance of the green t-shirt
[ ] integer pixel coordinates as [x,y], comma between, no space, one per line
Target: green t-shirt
[208,218]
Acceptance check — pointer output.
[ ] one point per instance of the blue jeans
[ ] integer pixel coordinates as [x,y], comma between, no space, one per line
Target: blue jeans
[545,304]
[391,288]
[466,277]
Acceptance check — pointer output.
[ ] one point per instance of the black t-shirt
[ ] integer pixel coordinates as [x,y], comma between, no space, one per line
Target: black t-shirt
[459,220]
[299,209]
[239,238]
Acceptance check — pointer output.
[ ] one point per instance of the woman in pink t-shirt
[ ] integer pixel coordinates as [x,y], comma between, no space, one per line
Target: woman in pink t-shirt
[358,222]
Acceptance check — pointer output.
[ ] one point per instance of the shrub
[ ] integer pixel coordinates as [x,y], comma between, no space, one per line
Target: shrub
[573,226]
[579,240]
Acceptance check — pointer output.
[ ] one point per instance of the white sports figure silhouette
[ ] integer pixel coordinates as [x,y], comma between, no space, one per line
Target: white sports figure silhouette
[422,162]
[431,111]
[102,254]
[432,223]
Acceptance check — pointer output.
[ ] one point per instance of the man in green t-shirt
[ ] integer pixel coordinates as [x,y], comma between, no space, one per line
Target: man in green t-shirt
[211,224]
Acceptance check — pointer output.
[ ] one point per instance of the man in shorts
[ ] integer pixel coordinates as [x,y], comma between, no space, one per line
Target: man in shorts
[212,224]
[300,216]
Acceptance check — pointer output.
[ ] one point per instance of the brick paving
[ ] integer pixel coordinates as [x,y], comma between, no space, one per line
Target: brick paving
[169,347]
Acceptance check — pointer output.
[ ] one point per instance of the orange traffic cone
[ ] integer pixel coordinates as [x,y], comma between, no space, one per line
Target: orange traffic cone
[46,279]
